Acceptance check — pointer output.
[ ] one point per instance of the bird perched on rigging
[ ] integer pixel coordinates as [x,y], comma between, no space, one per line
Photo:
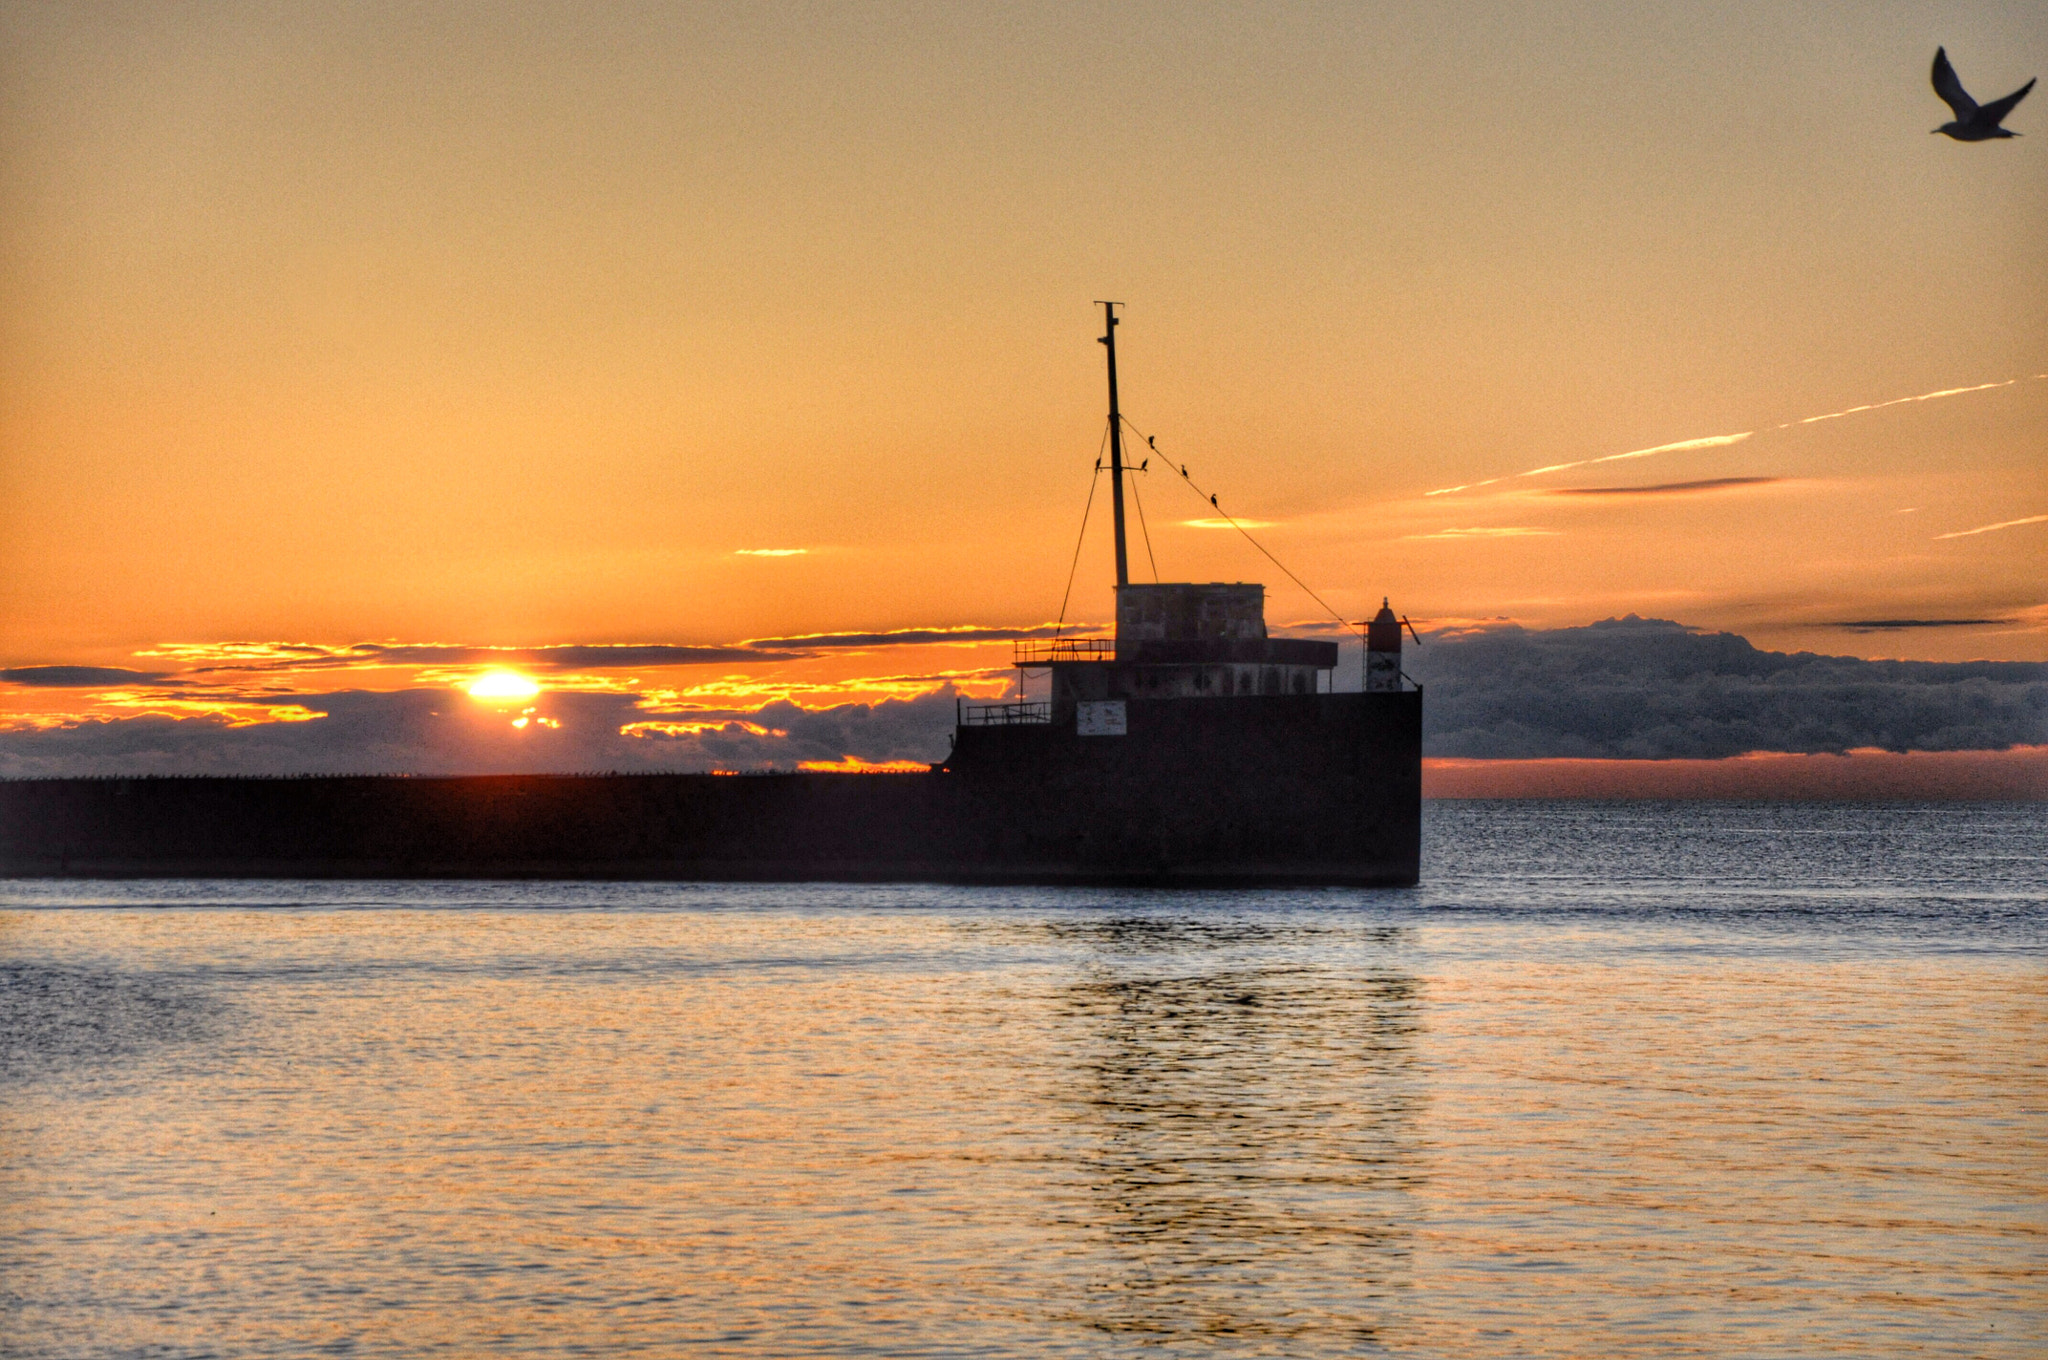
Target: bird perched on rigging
[1974,122]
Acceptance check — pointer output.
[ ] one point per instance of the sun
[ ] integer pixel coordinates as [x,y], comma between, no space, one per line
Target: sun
[503,687]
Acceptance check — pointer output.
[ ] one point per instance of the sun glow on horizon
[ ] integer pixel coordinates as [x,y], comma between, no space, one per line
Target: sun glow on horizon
[503,687]
[851,764]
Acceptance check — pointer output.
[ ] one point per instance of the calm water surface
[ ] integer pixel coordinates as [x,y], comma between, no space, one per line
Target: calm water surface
[1621,1079]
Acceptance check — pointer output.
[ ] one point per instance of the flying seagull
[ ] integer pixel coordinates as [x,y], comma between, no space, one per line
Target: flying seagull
[1974,122]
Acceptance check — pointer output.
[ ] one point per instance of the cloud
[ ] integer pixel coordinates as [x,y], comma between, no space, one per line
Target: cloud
[770,552]
[1665,488]
[2019,773]
[193,653]
[235,710]
[722,726]
[1894,625]
[1651,689]
[855,765]
[1990,528]
[909,637]
[1297,627]
[78,677]
[215,657]
[577,656]
[1502,532]
[438,732]
[730,692]
[1627,689]
[1227,524]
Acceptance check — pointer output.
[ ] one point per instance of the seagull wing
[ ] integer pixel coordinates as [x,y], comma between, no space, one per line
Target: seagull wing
[1951,89]
[1994,112]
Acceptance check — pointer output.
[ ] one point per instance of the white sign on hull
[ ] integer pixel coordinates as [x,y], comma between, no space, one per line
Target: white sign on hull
[1100,719]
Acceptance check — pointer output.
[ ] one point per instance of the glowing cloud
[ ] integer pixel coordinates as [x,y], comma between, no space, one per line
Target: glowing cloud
[501,687]
[1989,528]
[698,729]
[770,552]
[48,722]
[1226,524]
[228,711]
[855,765]
[725,691]
[195,653]
[906,637]
[1503,532]
[269,656]
[443,663]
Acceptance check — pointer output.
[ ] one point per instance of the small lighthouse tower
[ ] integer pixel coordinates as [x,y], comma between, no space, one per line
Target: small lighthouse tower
[1383,652]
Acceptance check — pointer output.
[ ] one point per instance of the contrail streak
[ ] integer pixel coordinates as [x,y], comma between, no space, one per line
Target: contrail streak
[1717,440]
[1709,442]
[1447,490]
[1901,401]
[2002,524]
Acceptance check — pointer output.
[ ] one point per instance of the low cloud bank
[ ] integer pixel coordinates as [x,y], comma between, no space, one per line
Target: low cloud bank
[78,677]
[1650,689]
[1626,689]
[2020,774]
[443,732]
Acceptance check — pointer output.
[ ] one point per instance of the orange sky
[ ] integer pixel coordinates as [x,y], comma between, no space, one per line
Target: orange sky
[518,325]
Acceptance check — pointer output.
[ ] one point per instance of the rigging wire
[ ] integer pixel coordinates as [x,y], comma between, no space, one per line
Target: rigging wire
[1181,468]
[1141,520]
[1082,537]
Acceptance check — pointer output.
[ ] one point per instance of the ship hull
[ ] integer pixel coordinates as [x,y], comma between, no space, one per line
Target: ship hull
[1296,790]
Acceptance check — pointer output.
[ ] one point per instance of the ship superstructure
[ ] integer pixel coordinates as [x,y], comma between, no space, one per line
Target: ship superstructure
[1193,745]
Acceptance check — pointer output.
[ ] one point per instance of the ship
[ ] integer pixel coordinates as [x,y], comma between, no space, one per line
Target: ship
[1189,748]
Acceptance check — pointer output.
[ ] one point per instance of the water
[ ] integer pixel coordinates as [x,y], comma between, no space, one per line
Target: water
[1621,1079]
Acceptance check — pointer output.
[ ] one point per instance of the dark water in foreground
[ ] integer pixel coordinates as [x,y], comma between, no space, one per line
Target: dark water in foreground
[1623,1079]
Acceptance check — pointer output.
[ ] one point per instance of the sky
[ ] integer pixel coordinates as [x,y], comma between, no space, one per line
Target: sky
[398,334]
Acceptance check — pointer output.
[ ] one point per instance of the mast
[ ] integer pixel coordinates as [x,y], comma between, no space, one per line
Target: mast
[1116,445]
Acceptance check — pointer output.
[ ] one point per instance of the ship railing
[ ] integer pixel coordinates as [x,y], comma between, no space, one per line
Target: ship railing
[1045,651]
[1004,715]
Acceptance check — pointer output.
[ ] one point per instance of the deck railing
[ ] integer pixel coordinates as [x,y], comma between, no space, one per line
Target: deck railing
[1004,715]
[1043,652]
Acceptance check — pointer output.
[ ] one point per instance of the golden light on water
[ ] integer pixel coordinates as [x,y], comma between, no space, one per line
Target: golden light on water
[503,687]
